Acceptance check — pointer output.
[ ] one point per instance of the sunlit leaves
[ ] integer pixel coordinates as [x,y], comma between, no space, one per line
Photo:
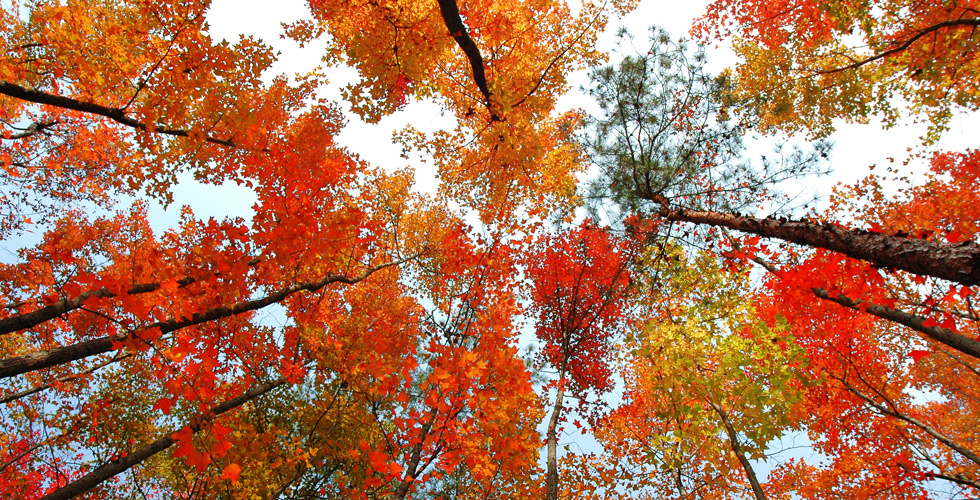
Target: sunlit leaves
[581,281]
[703,365]
[806,63]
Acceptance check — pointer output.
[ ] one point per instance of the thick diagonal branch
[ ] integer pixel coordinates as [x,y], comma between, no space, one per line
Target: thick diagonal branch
[47,385]
[111,469]
[60,355]
[961,343]
[115,114]
[958,263]
[450,16]
[63,306]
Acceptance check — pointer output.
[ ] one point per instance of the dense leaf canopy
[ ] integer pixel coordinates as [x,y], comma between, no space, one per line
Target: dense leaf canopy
[352,337]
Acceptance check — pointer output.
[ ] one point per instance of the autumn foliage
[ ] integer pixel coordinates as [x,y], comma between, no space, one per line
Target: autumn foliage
[580,291]
[353,337]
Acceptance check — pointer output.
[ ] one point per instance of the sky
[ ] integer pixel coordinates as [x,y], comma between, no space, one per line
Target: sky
[856,147]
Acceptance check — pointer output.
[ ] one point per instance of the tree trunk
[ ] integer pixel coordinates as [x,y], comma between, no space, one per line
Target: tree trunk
[551,490]
[109,470]
[958,263]
[47,385]
[412,469]
[679,481]
[740,454]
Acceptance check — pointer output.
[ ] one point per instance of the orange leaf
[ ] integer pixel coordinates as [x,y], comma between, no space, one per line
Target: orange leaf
[231,472]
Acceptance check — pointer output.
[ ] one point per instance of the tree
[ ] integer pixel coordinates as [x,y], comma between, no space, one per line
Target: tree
[580,287]
[676,171]
[806,63]
[708,387]
[665,130]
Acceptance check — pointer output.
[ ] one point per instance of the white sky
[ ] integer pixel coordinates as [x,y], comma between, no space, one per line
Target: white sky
[229,18]
[856,146]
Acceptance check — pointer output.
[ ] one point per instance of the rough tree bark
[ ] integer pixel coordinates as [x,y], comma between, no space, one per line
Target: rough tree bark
[958,263]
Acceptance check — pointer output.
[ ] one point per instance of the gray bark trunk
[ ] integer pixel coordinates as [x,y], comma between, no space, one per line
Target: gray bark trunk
[551,490]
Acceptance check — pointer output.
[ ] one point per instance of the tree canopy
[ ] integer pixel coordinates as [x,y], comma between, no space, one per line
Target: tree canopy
[356,338]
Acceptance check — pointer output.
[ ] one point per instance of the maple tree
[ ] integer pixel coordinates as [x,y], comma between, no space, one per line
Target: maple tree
[579,296]
[708,387]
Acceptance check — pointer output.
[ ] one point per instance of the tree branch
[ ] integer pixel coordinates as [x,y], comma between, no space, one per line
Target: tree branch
[111,469]
[60,355]
[973,457]
[961,343]
[34,129]
[957,263]
[66,378]
[908,43]
[27,320]
[453,21]
[115,114]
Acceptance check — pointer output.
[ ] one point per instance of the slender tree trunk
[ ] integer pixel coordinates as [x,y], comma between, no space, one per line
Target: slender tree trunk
[740,454]
[958,263]
[111,469]
[412,469]
[551,490]
[679,480]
